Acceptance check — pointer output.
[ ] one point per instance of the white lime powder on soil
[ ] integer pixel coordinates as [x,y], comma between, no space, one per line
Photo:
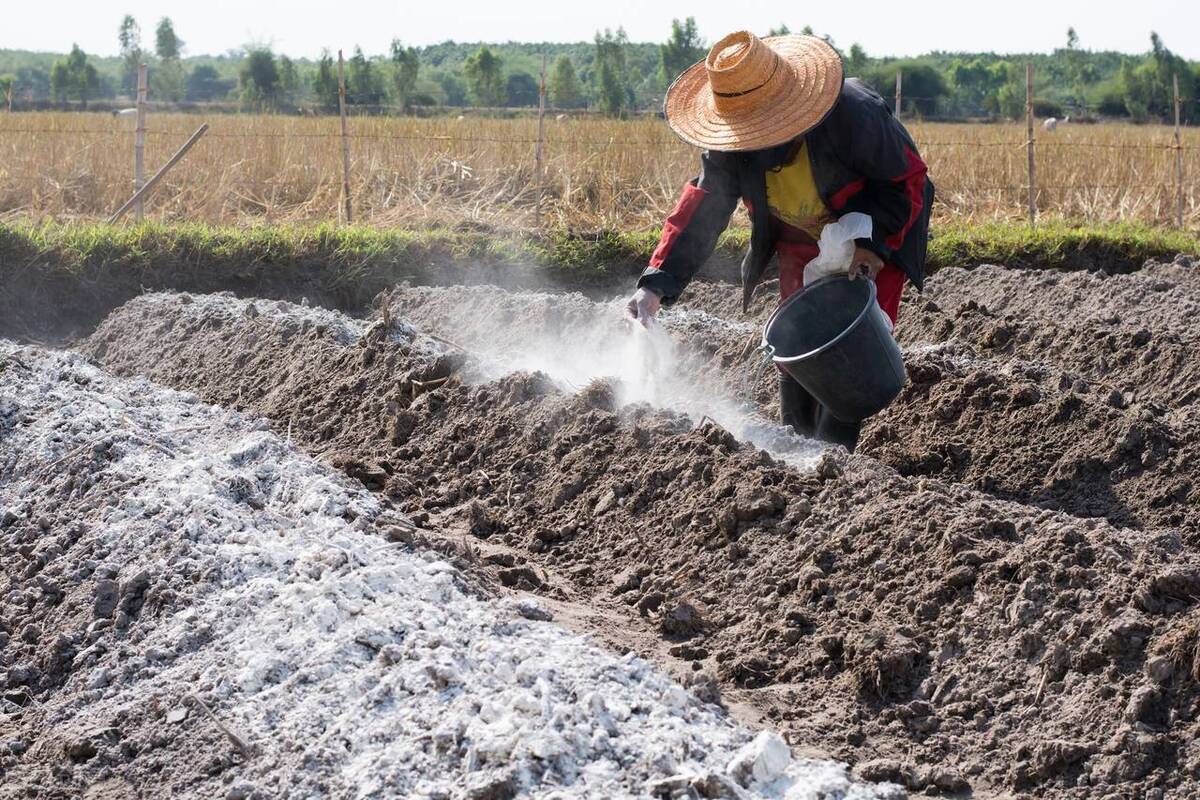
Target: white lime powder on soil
[575,340]
[354,667]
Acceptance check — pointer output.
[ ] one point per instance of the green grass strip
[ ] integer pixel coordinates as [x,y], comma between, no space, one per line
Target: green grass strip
[85,247]
[66,277]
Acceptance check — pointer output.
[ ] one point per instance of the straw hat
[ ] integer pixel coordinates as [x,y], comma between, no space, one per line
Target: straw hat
[752,93]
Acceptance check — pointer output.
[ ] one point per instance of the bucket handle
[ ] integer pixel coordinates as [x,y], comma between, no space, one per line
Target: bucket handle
[767,353]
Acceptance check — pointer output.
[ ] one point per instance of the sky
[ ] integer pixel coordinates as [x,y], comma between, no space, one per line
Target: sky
[903,27]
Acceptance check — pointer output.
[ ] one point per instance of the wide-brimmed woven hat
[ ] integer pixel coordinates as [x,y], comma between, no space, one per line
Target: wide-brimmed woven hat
[752,93]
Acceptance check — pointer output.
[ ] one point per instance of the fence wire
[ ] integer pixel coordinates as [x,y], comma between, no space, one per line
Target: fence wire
[1043,141]
[666,142]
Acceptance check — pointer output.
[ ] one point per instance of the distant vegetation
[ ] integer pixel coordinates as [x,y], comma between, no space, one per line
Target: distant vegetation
[609,74]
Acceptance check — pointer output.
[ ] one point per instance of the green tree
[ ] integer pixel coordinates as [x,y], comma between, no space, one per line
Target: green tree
[289,81]
[683,49]
[60,80]
[129,35]
[563,85]
[782,30]
[1010,94]
[166,43]
[453,88]
[205,83]
[363,84]
[975,86]
[612,85]
[8,84]
[611,92]
[924,86]
[258,78]
[1147,87]
[483,72]
[521,90]
[406,65]
[168,81]
[325,83]
[74,76]
[858,58]
[1076,72]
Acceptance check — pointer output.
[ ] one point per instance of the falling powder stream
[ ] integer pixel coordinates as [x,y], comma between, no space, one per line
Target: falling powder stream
[575,341]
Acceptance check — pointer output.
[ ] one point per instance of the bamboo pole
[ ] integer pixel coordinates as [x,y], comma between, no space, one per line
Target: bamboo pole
[1029,140]
[1178,156]
[345,139]
[139,143]
[899,93]
[540,139]
[142,193]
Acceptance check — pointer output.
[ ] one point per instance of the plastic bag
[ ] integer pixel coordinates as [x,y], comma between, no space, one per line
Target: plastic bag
[837,246]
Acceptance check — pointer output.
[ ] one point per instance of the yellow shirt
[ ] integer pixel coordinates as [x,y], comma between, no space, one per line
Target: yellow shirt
[793,197]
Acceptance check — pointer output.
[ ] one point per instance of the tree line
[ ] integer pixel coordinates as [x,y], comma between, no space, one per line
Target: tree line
[609,74]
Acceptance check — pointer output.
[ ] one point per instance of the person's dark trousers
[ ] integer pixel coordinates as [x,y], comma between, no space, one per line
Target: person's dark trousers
[807,417]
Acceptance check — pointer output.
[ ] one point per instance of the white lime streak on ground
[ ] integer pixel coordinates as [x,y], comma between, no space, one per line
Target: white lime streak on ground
[359,669]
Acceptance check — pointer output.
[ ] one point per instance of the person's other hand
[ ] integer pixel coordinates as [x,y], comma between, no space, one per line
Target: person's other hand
[643,306]
[866,262]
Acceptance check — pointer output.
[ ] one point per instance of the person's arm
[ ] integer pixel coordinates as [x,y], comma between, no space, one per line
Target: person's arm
[690,233]
[893,179]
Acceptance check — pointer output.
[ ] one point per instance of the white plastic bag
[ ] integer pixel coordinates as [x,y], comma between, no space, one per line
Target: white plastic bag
[837,246]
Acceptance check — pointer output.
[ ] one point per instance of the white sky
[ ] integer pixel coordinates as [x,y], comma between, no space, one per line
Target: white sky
[903,27]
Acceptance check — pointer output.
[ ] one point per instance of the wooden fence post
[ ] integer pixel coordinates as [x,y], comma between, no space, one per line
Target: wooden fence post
[1029,140]
[540,139]
[899,93]
[345,139]
[1178,156]
[139,144]
[158,176]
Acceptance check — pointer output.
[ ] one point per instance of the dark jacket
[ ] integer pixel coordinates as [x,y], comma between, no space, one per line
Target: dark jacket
[862,160]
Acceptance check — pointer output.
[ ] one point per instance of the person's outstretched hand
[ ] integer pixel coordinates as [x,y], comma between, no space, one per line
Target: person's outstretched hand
[643,306]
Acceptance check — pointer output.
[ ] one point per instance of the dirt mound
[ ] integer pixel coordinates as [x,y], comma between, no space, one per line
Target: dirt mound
[704,366]
[1022,431]
[259,633]
[1160,297]
[1145,366]
[725,300]
[922,630]
[1097,417]
[1027,431]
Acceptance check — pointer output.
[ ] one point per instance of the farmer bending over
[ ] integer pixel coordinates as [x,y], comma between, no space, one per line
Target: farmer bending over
[800,146]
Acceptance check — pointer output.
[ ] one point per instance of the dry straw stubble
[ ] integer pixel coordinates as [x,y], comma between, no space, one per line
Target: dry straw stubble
[475,170]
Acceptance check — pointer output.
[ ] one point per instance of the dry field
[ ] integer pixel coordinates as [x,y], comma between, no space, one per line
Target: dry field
[598,173]
[363,574]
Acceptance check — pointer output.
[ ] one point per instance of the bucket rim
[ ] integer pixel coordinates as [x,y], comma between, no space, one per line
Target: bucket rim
[871,299]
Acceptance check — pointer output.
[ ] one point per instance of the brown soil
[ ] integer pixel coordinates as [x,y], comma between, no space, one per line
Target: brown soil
[1161,297]
[1075,391]
[1097,414]
[926,631]
[1022,431]
[1118,344]
[1110,440]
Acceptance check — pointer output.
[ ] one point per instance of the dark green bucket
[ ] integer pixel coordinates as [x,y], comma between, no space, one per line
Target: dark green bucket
[835,340]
